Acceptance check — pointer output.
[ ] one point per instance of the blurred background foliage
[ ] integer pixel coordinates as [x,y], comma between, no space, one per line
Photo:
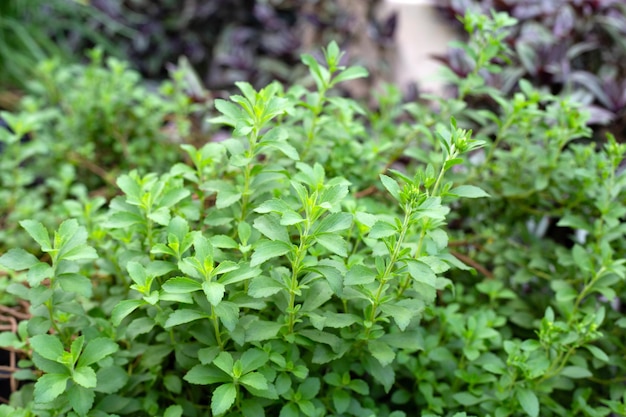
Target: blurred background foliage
[224,40]
[573,47]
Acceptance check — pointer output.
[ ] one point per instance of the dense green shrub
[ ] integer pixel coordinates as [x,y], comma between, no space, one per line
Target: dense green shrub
[316,263]
[88,124]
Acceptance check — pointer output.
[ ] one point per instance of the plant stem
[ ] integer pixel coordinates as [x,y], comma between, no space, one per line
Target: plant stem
[295,271]
[387,274]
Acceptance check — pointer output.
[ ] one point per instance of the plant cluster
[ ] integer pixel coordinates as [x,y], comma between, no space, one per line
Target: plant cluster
[328,259]
[575,47]
[83,133]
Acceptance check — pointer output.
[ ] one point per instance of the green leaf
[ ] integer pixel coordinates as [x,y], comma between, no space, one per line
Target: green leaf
[382,229]
[334,243]
[225,362]
[206,375]
[50,386]
[466,399]
[267,250]
[576,372]
[183,316]
[111,379]
[341,400]
[334,222]
[130,187]
[214,292]
[254,380]
[260,331]
[253,359]
[223,398]
[137,273]
[263,286]
[181,285]
[96,350]
[350,74]
[228,313]
[123,309]
[39,233]
[528,400]
[392,186]
[401,315]
[597,353]
[270,226]
[226,198]
[468,191]
[47,346]
[81,399]
[242,273]
[85,376]
[75,283]
[381,351]
[173,411]
[38,273]
[360,275]
[18,260]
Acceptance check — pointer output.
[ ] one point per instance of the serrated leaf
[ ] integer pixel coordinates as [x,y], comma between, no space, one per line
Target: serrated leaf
[270,226]
[18,259]
[226,198]
[381,351]
[400,314]
[37,273]
[96,350]
[260,331]
[350,73]
[85,376]
[50,386]
[48,346]
[81,399]
[123,309]
[75,283]
[254,380]
[223,398]
[183,316]
[360,275]
[181,285]
[334,243]
[253,359]
[391,185]
[205,375]
[597,353]
[576,372]
[173,411]
[268,249]
[214,292]
[111,379]
[334,222]
[528,400]
[466,399]
[468,191]
[341,400]
[39,233]
[382,229]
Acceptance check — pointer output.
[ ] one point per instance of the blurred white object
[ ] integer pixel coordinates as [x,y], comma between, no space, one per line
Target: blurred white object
[421,32]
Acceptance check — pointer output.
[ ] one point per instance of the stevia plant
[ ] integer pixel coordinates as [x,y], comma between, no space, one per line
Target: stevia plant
[267,275]
[244,283]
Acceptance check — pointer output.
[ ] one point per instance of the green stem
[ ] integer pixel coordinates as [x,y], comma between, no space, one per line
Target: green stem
[247,175]
[387,274]
[295,271]
[216,328]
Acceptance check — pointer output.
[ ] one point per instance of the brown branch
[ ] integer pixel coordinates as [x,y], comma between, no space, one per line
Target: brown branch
[469,261]
[99,171]
[13,312]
